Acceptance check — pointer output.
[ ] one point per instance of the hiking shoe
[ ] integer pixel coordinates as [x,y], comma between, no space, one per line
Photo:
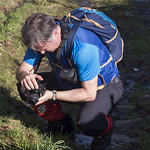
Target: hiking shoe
[63,126]
[102,142]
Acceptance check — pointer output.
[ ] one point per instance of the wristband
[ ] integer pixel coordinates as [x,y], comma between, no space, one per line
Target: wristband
[54,95]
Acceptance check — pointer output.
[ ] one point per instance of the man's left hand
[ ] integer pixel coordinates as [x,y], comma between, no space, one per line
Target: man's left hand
[47,96]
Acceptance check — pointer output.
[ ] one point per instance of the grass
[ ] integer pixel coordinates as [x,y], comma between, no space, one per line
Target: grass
[18,129]
[19,125]
[15,135]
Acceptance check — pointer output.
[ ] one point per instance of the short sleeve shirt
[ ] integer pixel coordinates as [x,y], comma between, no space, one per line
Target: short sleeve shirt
[87,53]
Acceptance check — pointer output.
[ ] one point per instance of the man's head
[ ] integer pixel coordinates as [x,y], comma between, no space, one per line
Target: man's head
[39,31]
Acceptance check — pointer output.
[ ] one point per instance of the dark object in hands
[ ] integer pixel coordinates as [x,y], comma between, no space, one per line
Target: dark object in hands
[34,95]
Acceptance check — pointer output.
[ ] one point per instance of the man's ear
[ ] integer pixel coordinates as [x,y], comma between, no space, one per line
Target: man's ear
[56,31]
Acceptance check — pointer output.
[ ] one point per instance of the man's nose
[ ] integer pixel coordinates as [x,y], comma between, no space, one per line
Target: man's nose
[42,52]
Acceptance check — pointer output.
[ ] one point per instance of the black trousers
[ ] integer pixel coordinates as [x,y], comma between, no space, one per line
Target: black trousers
[91,116]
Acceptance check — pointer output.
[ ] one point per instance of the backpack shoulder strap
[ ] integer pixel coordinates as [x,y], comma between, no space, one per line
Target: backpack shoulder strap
[65,30]
[69,44]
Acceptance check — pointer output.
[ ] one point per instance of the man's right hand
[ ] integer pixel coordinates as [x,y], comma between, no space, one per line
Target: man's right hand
[29,81]
[25,75]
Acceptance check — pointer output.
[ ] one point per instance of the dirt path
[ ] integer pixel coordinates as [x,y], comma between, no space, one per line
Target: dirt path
[125,135]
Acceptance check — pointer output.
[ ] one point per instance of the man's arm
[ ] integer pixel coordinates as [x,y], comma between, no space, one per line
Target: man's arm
[86,93]
[25,75]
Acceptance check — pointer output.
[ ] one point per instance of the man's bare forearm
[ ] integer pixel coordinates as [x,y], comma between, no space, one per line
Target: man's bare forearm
[21,74]
[23,71]
[87,92]
[25,75]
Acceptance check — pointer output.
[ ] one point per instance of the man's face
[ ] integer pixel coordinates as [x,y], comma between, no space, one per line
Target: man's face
[48,46]
[52,45]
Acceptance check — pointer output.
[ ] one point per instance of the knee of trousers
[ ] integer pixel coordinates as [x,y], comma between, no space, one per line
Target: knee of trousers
[94,127]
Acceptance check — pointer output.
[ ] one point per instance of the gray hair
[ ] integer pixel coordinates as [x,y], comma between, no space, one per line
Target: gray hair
[37,28]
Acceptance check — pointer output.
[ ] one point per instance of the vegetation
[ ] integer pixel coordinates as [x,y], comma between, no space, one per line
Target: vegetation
[19,125]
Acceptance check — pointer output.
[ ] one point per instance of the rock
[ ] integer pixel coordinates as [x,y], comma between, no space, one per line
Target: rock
[128,14]
[82,3]
[83,140]
[118,140]
[141,1]
[129,124]
[146,96]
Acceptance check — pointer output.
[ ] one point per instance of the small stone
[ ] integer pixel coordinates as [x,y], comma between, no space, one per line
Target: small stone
[128,14]
[135,69]
[141,1]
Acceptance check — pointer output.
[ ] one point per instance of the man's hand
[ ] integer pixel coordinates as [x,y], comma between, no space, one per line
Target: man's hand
[29,81]
[25,75]
[47,96]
